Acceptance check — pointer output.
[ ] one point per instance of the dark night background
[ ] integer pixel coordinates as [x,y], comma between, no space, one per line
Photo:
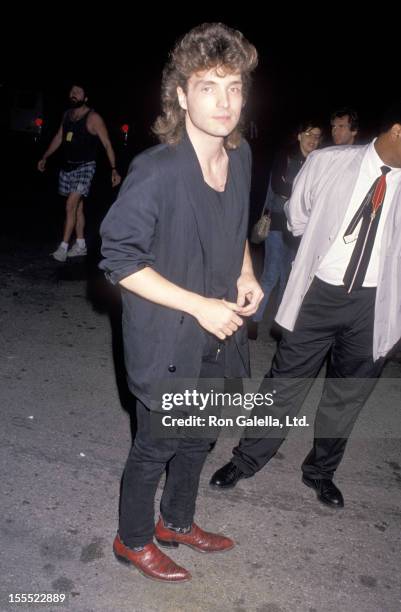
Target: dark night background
[308,66]
[63,393]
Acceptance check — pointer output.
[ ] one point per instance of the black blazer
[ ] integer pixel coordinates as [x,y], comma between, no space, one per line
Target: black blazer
[154,223]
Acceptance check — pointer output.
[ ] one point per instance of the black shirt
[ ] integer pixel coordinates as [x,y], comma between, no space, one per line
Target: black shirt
[79,145]
[218,231]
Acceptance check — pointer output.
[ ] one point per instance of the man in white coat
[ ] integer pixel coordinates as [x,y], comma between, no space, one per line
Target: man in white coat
[343,298]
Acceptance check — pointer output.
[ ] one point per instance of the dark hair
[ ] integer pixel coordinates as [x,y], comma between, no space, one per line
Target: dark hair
[390,116]
[352,117]
[81,85]
[210,45]
[311,122]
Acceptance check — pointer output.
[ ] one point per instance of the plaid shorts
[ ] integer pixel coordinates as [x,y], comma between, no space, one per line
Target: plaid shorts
[77,180]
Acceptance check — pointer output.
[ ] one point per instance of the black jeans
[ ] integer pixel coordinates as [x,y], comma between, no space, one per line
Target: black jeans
[329,320]
[183,459]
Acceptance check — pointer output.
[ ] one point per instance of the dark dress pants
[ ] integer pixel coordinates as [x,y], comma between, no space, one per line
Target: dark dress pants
[182,458]
[330,321]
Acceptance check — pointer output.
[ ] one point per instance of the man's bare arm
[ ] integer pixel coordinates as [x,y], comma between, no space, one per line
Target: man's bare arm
[248,287]
[216,316]
[53,146]
[98,127]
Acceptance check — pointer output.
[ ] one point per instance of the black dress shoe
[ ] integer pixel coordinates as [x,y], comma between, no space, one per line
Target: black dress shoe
[326,491]
[227,476]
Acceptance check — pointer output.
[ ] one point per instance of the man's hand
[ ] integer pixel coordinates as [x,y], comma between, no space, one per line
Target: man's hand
[217,316]
[248,290]
[41,165]
[115,178]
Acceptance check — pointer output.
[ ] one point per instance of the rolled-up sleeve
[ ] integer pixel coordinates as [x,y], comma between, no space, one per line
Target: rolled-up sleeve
[128,229]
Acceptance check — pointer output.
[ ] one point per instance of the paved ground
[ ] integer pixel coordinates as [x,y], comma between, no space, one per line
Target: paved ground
[64,440]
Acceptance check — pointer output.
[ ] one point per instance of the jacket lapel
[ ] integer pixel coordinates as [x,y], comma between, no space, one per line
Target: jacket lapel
[349,177]
[192,178]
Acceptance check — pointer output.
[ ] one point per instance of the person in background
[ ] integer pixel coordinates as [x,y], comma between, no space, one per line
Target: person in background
[344,126]
[280,245]
[79,135]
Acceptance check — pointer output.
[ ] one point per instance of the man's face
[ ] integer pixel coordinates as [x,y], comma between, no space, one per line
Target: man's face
[341,131]
[393,146]
[309,140]
[212,102]
[77,97]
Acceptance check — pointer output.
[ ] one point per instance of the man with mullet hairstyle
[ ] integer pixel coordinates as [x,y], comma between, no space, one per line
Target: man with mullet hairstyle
[175,240]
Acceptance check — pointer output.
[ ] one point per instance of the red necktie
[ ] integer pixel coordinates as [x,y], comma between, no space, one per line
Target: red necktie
[369,212]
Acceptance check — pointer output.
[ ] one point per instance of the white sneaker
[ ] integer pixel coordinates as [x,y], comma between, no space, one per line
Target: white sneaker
[60,254]
[76,251]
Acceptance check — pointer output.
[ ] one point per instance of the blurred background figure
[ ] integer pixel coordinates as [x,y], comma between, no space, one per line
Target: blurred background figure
[79,134]
[344,126]
[280,245]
